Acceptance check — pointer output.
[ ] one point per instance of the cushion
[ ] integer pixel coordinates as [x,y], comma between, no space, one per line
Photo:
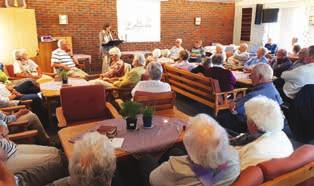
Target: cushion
[83,102]
[279,166]
[250,176]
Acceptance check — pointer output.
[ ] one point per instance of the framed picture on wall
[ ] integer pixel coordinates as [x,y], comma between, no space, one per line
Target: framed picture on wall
[15,3]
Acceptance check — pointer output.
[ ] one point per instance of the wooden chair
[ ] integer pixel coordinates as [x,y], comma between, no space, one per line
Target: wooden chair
[201,89]
[82,104]
[23,135]
[297,169]
[163,103]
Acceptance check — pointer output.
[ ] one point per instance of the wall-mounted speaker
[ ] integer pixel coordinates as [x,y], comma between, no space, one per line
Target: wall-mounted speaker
[259,14]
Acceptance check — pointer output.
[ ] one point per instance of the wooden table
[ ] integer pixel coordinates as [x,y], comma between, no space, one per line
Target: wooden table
[51,93]
[68,133]
[242,78]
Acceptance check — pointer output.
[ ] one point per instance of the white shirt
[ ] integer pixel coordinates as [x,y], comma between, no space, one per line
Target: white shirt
[297,78]
[268,146]
[174,52]
[153,86]
[4,97]
[28,66]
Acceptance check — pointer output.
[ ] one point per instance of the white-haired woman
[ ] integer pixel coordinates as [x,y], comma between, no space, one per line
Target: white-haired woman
[156,54]
[266,121]
[174,51]
[93,162]
[220,49]
[154,85]
[209,156]
[24,67]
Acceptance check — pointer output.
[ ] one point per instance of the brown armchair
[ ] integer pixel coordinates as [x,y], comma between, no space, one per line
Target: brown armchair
[9,70]
[82,104]
[22,135]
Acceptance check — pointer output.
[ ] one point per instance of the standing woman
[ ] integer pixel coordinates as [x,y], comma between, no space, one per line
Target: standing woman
[105,37]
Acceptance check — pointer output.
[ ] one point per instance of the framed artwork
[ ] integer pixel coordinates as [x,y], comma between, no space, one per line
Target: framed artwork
[15,3]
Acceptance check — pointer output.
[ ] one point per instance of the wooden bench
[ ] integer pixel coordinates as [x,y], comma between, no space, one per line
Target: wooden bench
[200,88]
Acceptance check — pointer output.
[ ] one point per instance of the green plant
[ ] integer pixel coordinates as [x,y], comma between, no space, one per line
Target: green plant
[131,109]
[63,74]
[148,111]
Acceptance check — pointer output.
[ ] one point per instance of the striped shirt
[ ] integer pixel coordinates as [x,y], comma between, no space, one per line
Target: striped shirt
[8,147]
[59,56]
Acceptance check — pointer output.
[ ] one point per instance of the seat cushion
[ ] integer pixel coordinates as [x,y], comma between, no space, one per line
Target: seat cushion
[250,176]
[279,166]
[83,102]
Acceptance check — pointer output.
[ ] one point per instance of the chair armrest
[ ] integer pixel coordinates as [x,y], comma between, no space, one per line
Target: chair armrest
[119,102]
[17,124]
[92,77]
[115,114]
[50,74]
[237,90]
[23,135]
[222,97]
[26,102]
[60,117]
[13,108]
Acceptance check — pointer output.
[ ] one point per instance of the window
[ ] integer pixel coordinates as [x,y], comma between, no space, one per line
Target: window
[246,24]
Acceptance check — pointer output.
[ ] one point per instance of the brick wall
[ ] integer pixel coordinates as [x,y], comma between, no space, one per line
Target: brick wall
[86,18]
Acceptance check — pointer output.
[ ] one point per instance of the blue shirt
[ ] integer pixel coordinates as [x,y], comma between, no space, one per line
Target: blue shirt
[255,61]
[271,47]
[265,89]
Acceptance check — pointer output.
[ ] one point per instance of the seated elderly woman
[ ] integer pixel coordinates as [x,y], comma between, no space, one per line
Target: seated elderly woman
[220,49]
[295,51]
[183,61]
[154,85]
[175,50]
[260,58]
[130,79]
[241,55]
[156,54]
[210,160]
[165,53]
[301,59]
[265,121]
[33,121]
[117,67]
[225,77]
[93,162]
[61,59]
[202,68]
[31,164]
[27,68]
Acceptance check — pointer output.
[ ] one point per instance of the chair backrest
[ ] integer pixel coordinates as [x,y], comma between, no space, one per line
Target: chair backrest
[160,101]
[251,176]
[9,68]
[279,166]
[83,102]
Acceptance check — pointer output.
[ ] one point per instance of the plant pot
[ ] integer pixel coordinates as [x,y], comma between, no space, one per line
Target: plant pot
[64,80]
[147,121]
[131,123]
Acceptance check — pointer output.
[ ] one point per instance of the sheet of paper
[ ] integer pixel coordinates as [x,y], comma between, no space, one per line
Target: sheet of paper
[117,142]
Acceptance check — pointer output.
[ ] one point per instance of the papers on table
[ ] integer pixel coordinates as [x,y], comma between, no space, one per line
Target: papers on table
[117,142]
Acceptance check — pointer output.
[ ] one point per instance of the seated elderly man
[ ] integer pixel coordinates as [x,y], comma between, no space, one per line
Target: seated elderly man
[130,79]
[93,162]
[281,62]
[33,121]
[175,50]
[27,68]
[117,67]
[297,78]
[261,76]
[260,58]
[301,59]
[197,52]
[220,49]
[31,164]
[241,55]
[154,85]
[265,121]
[271,47]
[225,77]
[156,54]
[210,160]
[183,61]
[62,60]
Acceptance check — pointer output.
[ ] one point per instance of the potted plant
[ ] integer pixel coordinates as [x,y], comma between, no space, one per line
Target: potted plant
[64,76]
[129,111]
[148,116]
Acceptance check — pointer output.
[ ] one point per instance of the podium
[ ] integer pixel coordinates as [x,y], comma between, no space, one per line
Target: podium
[112,43]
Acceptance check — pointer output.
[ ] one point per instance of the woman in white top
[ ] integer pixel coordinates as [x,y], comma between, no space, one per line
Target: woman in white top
[27,68]
[105,37]
[154,85]
[264,119]
[175,50]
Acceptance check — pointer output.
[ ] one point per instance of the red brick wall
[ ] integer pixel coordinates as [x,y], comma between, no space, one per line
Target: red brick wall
[177,21]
